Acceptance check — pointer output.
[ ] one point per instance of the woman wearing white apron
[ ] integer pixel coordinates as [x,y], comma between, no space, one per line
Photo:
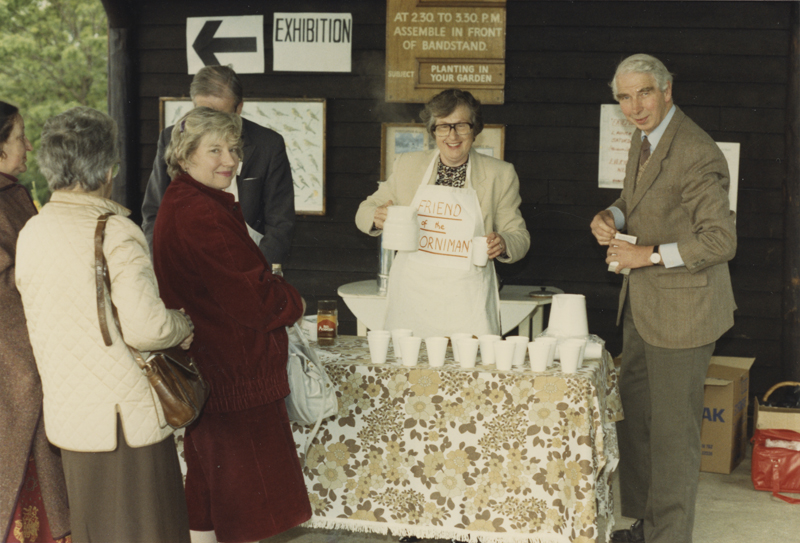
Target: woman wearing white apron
[458,194]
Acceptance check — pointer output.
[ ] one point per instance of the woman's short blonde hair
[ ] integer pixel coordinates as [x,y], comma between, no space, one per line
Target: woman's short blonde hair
[190,130]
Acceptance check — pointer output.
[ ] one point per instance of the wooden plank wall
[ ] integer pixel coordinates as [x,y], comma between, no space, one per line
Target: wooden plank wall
[730,65]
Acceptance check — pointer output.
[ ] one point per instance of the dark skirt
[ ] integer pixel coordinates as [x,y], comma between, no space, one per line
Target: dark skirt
[130,495]
[243,478]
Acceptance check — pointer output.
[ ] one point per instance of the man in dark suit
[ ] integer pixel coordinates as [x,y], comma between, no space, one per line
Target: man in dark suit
[676,302]
[264,184]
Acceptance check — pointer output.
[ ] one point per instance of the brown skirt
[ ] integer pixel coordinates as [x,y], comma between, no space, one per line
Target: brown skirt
[130,495]
[243,478]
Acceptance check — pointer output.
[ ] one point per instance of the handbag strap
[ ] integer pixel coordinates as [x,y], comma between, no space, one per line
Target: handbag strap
[101,277]
[102,281]
[776,483]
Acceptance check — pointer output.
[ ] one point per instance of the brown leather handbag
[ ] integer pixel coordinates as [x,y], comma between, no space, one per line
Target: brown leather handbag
[171,372]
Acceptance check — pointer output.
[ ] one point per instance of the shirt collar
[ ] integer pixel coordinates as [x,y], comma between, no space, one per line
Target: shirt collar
[655,136]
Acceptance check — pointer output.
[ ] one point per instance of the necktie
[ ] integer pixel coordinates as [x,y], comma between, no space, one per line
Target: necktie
[645,152]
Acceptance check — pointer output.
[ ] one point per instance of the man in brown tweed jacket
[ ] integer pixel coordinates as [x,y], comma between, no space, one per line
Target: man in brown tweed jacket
[676,302]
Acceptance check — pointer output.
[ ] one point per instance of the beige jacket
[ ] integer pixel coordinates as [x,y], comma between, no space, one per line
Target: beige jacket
[495,182]
[86,383]
[682,197]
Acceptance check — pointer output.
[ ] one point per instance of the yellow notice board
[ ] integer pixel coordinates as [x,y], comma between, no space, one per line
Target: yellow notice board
[432,45]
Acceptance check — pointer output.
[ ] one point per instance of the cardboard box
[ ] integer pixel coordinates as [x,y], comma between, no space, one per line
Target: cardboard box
[776,418]
[724,432]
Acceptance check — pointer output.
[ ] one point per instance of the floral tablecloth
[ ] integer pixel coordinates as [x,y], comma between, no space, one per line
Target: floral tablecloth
[478,455]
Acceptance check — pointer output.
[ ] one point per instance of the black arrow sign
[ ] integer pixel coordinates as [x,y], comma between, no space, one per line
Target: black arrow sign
[205,45]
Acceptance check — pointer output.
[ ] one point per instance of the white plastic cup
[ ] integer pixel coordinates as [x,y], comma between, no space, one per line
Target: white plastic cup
[480,251]
[553,343]
[378,345]
[504,354]
[454,340]
[437,347]
[409,345]
[468,351]
[568,316]
[582,344]
[400,230]
[570,352]
[539,352]
[593,350]
[521,349]
[487,348]
[397,334]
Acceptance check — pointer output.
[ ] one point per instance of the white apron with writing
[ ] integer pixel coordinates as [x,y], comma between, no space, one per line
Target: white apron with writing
[436,290]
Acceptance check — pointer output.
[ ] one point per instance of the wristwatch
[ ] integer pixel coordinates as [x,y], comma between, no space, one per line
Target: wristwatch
[655,258]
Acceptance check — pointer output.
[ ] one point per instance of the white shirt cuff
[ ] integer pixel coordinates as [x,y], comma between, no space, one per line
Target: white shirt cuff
[671,256]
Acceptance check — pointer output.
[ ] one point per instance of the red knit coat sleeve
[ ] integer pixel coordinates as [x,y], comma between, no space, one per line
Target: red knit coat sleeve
[207,264]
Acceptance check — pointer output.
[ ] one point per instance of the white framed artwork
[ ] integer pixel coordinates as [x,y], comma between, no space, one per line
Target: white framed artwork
[301,122]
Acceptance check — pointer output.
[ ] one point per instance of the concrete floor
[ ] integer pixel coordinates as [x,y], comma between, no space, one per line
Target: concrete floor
[728,511]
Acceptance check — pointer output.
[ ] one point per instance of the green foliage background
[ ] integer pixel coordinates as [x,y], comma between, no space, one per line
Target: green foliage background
[54,56]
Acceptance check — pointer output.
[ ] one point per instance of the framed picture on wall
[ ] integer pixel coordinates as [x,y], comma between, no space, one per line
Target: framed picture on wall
[398,138]
[301,122]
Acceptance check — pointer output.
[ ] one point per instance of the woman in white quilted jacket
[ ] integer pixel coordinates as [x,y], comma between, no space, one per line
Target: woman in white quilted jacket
[122,471]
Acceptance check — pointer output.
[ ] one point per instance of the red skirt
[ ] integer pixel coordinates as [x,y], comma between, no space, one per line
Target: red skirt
[244,479]
[29,524]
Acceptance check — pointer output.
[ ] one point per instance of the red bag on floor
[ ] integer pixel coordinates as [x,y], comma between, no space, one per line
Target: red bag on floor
[776,468]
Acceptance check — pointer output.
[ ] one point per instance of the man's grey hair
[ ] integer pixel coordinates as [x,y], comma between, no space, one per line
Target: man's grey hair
[190,130]
[219,81]
[643,64]
[78,147]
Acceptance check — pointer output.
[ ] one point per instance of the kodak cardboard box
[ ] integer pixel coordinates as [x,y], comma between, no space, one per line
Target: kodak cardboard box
[724,433]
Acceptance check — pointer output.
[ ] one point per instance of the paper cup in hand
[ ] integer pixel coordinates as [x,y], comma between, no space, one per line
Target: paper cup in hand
[397,334]
[504,354]
[454,340]
[437,347]
[570,352]
[468,351]
[409,346]
[378,345]
[480,251]
[487,348]
[539,352]
[521,349]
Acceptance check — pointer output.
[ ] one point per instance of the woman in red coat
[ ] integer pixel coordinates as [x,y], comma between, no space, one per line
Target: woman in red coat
[244,479]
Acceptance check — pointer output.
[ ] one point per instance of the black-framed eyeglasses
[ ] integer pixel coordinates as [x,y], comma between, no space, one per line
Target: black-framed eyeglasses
[443,130]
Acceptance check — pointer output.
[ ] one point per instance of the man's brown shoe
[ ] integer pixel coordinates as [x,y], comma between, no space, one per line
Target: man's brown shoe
[633,535]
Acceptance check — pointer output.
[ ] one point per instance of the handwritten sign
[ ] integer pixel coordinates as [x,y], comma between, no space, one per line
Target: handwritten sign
[436,219]
[432,46]
[615,142]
